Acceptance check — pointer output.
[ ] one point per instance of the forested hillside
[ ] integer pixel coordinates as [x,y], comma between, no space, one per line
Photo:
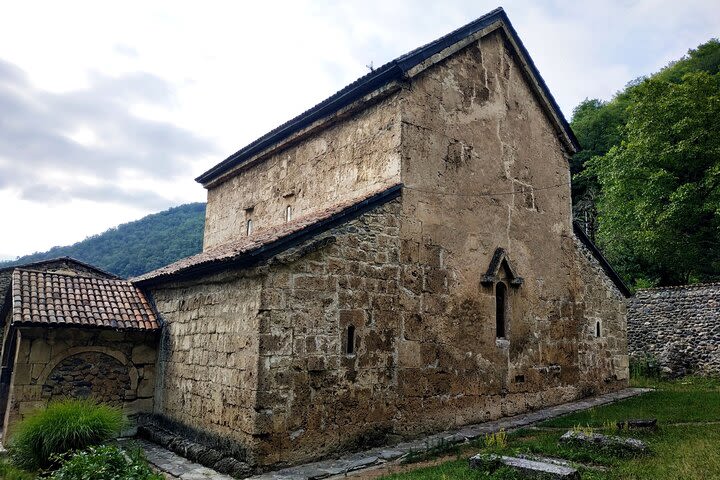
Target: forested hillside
[137,247]
[646,185]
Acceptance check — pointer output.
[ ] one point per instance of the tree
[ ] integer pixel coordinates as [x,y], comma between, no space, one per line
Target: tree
[598,127]
[660,202]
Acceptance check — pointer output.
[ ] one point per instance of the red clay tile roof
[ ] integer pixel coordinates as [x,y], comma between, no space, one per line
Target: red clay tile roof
[72,300]
[235,250]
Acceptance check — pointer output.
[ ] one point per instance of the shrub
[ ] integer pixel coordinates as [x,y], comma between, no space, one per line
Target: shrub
[61,427]
[107,462]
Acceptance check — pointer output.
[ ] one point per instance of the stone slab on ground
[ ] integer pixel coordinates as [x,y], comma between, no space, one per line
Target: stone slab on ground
[601,441]
[525,467]
[338,468]
[638,423]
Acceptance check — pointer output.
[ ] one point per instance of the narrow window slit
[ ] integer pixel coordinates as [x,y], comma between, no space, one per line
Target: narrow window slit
[597,329]
[249,226]
[500,307]
[350,345]
[288,213]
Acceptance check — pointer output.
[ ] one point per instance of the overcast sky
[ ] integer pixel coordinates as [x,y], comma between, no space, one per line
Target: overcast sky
[108,110]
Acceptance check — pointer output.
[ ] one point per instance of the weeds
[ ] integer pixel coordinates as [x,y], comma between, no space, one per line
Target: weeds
[496,440]
[586,430]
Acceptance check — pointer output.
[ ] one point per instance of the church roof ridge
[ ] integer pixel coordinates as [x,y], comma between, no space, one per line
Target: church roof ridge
[396,69]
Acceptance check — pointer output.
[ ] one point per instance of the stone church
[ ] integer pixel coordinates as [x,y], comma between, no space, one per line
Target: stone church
[397,260]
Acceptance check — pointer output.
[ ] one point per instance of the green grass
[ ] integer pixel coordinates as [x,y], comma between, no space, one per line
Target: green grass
[688,400]
[11,472]
[686,446]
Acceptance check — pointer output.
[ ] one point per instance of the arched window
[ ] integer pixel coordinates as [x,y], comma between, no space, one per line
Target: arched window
[500,309]
[288,213]
[249,226]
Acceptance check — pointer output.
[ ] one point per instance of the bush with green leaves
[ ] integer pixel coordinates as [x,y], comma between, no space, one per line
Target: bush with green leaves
[108,462]
[63,426]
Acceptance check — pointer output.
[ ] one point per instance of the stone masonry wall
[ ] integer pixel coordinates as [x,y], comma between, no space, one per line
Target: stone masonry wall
[482,169]
[314,397]
[678,326]
[603,338]
[117,367]
[208,359]
[423,359]
[355,154]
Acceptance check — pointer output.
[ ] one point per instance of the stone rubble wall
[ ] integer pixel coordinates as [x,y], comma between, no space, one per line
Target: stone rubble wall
[314,398]
[677,326]
[107,365]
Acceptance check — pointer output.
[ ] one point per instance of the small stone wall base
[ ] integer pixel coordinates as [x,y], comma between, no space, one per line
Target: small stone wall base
[204,455]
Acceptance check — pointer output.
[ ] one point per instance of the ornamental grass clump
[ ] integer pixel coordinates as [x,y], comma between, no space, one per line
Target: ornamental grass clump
[63,426]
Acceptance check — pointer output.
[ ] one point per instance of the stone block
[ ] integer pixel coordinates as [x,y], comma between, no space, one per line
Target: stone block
[604,441]
[141,405]
[142,354]
[22,373]
[26,408]
[526,468]
[146,387]
[39,351]
[643,424]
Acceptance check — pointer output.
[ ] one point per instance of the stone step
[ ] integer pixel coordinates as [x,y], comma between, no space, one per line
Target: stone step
[532,469]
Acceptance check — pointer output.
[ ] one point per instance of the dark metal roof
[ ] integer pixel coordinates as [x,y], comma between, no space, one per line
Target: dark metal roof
[393,70]
[612,274]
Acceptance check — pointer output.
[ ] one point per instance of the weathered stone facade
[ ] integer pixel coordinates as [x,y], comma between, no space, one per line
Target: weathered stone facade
[679,327]
[352,154]
[208,356]
[391,321]
[116,367]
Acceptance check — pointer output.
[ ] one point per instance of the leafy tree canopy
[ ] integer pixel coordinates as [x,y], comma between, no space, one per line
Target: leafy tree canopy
[650,165]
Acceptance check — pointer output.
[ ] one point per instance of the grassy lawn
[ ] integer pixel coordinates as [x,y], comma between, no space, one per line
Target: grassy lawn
[686,446]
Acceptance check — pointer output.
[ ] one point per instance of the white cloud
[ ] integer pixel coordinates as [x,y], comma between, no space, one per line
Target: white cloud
[226,72]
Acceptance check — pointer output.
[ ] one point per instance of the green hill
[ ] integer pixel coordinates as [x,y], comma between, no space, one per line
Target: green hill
[137,247]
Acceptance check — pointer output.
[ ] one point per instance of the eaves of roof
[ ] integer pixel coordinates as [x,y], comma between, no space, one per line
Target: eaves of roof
[392,71]
[256,252]
[607,268]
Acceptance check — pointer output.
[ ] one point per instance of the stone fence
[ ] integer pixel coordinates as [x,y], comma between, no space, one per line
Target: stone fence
[677,326]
